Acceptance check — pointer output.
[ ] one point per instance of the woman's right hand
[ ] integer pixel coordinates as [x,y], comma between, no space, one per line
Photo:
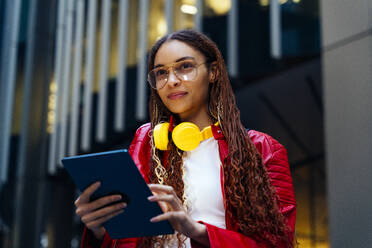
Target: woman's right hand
[94,214]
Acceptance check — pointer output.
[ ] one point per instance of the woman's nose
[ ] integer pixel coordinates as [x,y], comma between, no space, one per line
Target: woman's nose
[173,80]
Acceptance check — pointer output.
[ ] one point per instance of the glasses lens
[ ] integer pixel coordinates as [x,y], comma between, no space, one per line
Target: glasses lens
[157,78]
[185,70]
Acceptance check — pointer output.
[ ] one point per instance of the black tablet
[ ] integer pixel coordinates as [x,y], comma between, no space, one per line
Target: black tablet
[119,175]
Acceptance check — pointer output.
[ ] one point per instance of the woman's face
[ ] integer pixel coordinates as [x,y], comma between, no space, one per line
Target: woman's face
[188,99]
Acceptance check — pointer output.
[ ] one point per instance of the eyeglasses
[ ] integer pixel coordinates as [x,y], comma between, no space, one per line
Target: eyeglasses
[185,70]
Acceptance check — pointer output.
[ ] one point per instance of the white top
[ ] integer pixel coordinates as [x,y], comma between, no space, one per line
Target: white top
[202,182]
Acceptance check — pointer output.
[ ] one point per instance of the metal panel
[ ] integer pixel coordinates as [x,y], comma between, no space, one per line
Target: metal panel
[141,101]
[8,76]
[74,120]
[32,142]
[232,39]
[103,75]
[27,89]
[347,89]
[89,74]
[275,29]
[66,81]
[198,17]
[121,80]
[58,66]
[168,9]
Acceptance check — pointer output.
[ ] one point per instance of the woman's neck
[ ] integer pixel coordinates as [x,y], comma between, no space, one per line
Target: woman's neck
[200,118]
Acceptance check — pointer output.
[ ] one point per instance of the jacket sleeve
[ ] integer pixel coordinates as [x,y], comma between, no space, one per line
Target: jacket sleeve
[276,162]
[90,241]
[136,149]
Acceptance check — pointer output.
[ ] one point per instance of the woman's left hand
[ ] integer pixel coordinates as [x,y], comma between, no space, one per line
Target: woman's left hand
[175,213]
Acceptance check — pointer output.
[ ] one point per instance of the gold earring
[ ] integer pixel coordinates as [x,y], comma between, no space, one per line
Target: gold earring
[219,113]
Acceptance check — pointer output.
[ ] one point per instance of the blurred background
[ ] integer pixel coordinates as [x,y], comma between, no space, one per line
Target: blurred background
[73,81]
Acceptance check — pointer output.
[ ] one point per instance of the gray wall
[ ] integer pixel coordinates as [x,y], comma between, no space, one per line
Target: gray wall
[347,80]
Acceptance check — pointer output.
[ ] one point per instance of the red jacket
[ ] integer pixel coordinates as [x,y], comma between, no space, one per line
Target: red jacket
[274,158]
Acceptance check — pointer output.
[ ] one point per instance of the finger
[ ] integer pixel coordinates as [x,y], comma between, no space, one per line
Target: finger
[163,205]
[88,207]
[171,216]
[101,202]
[103,212]
[161,188]
[172,200]
[98,222]
[85,196]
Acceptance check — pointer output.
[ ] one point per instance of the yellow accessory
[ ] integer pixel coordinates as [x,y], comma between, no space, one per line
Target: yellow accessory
[186,135]
[161,136]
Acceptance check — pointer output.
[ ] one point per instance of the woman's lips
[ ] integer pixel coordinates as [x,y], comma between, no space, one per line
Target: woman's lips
[176,95]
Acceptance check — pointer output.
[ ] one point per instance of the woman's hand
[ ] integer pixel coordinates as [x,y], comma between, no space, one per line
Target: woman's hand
[175,213]
[94,214]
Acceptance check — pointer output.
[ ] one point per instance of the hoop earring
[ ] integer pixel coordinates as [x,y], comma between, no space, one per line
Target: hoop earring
[219,113]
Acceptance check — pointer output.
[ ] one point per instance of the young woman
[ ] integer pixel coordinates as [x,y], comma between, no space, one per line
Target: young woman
[234,189]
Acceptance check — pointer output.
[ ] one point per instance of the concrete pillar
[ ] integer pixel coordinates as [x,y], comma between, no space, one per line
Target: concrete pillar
[347,80]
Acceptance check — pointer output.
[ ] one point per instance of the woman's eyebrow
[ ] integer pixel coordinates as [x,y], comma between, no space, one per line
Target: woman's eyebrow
[184,58]
[178,60]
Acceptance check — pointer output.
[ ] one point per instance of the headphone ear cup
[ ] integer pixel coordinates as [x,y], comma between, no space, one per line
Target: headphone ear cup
[186,136]
[161,136]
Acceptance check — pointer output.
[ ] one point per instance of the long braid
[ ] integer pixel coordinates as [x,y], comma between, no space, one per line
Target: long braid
[171,175]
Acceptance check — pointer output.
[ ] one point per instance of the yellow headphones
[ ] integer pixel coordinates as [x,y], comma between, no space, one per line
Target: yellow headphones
[186,135]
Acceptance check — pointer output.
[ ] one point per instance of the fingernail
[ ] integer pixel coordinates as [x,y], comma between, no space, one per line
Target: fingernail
[152,220]
[123,205]
[151,198]
[118,197]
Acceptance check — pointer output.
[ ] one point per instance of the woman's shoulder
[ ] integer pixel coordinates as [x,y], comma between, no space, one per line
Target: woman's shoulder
[143,131]
[260,137]
[141,139]
[266,145]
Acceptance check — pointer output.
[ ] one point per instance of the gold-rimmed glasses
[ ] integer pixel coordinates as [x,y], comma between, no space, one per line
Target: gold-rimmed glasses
[184,70]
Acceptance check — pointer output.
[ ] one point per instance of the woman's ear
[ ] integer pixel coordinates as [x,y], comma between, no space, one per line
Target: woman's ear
[213,73]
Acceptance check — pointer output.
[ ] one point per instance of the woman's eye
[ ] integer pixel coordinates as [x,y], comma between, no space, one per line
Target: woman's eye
[185,66]
[161,72]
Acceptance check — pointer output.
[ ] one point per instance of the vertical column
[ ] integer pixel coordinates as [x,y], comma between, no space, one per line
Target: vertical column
[58,67]
[121,83]
[104,67]
[232,39]
[29,195]
[66,77]
[347,84]
[8,77]
[21,172]
[141,102]
[198,17]
[27,90]
[74,120]
[169,15]
[89,75]
[275,29]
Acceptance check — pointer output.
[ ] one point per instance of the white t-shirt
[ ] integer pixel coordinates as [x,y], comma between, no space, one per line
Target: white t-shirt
[202,182]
